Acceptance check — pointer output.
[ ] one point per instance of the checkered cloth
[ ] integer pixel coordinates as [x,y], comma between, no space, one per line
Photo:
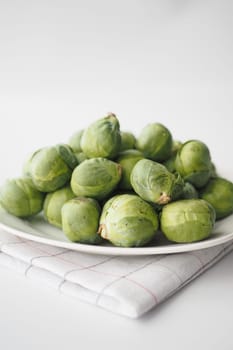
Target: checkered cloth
[128,286]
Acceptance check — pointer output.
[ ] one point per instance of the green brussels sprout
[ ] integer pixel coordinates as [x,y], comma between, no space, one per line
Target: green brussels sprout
[75,141]
[128,221]
[127,160]
[154,183]
[170,162]
[53,204]
[95,178]
[155,142]
[27,164]
[219,193]
[20,197]
[128,141]
[51,167]
[81,156]
[80,220]
[189,191]
[187,220]
[193,162]
[176,145]
[66,153]
[102,138]
[213,170]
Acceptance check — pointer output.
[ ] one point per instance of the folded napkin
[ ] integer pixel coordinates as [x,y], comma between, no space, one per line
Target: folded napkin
[129,285]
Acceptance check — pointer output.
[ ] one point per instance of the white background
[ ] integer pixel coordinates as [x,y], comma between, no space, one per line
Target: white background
[63,64]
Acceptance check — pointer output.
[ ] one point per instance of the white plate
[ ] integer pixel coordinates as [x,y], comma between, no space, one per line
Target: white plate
[37,229]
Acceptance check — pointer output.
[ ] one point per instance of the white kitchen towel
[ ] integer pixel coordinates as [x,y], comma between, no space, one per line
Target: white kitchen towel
[128,286]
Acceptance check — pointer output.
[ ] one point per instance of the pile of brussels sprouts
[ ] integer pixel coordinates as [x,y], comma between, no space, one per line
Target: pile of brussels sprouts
[106,184]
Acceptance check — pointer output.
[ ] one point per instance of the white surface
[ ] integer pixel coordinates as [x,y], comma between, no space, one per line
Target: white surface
[38,230]
[66,63]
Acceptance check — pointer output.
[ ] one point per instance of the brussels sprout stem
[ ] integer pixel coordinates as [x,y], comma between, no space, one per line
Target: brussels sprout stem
[119,169]
[164,198]
[110,114]
[102,231]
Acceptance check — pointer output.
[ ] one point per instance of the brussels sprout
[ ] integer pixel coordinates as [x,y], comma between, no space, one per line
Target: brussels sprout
[80,220]
[81,156]
[66,153]
[128,141]
[26,166]
[213,170]
[128,221]
[20,197]
[176,145]
[193,162]
[189,191]
[75,141]
[155,142]
[219,193]
[51,167]
[95,178]
[170,162]
[154,183]
[53,204]
[102,138]
[127,160]
[187,220]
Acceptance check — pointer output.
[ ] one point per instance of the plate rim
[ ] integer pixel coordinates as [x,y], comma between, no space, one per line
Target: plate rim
[123,251]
